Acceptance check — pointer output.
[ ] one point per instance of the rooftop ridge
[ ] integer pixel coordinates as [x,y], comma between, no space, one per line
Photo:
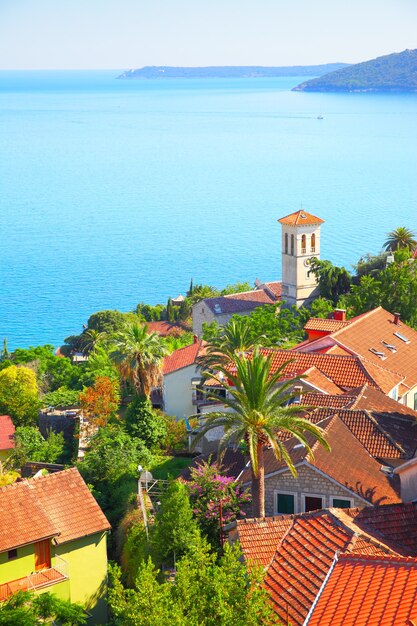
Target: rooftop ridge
[389,558]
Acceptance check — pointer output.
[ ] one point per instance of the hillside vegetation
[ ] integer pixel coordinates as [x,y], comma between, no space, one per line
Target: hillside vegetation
[233,71]
[393,72]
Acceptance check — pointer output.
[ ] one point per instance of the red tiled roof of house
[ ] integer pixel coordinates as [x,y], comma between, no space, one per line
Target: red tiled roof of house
[348,463]
[395,522]
[333,401]
[367,332]
[58,504]
[275,287]
[303,558]
[243,301]
[372,399]
[259,538]
[183,357]
[325,324]
[368,591]
[345,371]
[318,380]
[7,431]
[165,329]
[23,519]
[300,218]
[69,504]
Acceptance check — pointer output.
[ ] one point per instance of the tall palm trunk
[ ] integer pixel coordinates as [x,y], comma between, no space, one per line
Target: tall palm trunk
[258,484]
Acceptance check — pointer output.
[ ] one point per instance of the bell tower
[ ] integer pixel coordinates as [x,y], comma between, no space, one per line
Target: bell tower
[300,243]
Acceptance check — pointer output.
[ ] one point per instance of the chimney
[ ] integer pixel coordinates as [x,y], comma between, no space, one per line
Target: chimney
[195,338]
[339,314]
[397,318]
[298,394]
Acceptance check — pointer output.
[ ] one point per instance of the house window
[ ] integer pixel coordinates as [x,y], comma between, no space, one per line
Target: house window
[292,245]
[313,243]
[303,244]
[284,502]
[312,503]
[341,503]
[415,401]
[12,554]
[286,243]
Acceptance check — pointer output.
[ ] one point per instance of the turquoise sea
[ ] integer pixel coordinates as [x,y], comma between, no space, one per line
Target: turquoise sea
[115,192]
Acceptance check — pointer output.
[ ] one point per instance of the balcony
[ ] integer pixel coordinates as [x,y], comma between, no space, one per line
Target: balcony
[38,580]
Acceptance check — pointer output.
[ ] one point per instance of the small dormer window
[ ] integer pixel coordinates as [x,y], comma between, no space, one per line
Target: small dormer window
[402,337]
[390,347]
[303,244]
[313,243]
[378,353]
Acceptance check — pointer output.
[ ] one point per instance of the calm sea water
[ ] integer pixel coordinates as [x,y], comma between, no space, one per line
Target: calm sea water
[115,192]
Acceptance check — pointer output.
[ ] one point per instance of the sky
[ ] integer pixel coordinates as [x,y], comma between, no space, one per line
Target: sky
[123,34]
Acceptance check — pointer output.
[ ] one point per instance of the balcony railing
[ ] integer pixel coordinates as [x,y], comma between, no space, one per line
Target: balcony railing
[37,580]
[313,249]
[303,250]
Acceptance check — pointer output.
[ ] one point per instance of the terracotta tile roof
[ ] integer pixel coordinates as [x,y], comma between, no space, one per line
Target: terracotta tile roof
[325,325]
[338,350]
[303,558]
[373,400]
[165,329]
[69,504]
[233,462]
[344,371]
[7,431]
[299,218]
[369,331]
[348,463]
[318,380]
[239,302]
[23,520]
[275,287]
[59,505]
[368,591]
[332,401]
[259,538]
[183,357]
[394,522]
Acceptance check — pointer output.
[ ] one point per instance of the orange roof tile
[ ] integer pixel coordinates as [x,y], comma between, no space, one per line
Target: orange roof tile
[259,538]
[7,431]
[318,380]
[183,357]
[165,329]
[369,331]
[348,463]
[328,400]
[275,287]
[325,325]
[58,504]
[344,371]
[242,301]
[368,591]
[23,520]
[299,218]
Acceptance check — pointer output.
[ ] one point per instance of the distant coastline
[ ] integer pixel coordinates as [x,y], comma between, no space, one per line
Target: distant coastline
[232,71]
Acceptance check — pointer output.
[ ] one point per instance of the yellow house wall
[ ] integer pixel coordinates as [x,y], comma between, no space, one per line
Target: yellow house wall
[87,566]
[22,566]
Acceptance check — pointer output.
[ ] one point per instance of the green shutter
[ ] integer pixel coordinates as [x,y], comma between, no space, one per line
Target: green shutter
[338,503]
[285,503]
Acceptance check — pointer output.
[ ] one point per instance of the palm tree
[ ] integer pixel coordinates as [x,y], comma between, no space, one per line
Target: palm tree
[401,237]
[257,411]
[139,356]
[233,340]
[91,339]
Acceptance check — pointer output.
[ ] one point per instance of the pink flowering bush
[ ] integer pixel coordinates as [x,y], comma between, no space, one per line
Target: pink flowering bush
[208,488]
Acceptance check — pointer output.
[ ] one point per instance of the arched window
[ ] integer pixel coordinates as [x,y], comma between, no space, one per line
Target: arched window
[286,243]
[303,244]
[292,245]
[313,242]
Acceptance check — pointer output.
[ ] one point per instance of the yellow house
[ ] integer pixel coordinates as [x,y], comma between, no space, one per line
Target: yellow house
[53,538]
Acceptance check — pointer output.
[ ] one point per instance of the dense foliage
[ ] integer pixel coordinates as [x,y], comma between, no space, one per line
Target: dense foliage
[143,422]
[392,72]
[19,394]
[27,609]
[204,592]
[31,446]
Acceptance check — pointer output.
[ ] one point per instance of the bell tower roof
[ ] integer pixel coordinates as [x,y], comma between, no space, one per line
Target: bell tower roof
[300,218]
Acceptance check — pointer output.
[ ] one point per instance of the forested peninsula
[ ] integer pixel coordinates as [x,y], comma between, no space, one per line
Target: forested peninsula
[390,73]
[232,71]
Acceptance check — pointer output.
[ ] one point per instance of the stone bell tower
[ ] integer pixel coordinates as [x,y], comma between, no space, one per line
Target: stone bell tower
[300,243]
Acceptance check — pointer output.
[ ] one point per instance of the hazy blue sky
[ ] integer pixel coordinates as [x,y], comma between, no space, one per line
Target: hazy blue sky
[38,34]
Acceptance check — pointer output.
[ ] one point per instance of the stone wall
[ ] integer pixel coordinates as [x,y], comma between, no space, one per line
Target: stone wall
[308,482]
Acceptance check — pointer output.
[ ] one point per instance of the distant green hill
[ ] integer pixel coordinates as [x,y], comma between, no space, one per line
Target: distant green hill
[232,71]
[393,72]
